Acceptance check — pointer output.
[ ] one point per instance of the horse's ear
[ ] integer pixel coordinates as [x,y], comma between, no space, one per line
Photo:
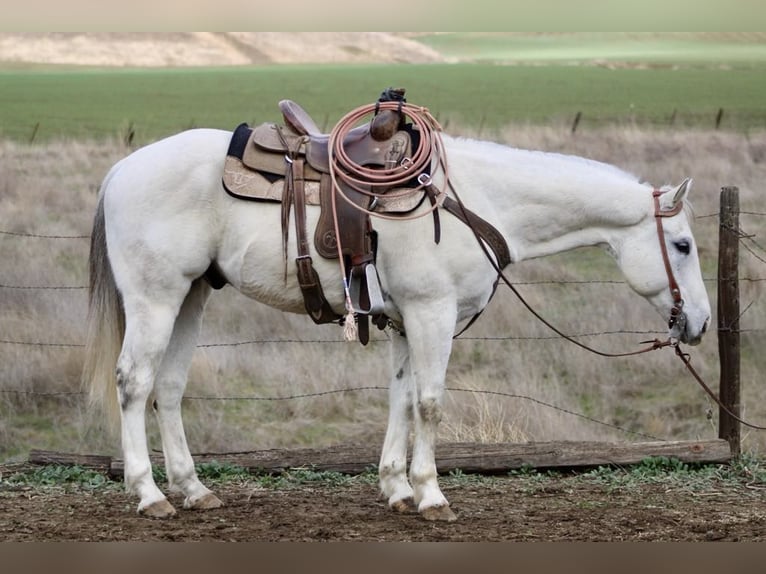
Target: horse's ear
[675,196]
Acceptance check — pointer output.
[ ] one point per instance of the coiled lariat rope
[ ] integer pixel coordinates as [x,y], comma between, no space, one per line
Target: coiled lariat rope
[376,182]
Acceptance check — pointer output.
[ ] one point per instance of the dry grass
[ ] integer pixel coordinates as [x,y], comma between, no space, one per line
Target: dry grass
[51,189]
[210,48]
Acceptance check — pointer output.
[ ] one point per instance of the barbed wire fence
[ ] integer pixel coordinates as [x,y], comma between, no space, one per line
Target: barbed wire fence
[749,241]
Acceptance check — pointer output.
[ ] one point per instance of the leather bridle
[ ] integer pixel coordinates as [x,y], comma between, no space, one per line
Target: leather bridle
[675,313]
[675,291]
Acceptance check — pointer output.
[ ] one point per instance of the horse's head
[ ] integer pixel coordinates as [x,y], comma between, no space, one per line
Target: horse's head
[659,260]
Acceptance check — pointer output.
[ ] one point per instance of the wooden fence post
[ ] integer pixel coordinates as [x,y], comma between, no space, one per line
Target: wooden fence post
[576,121]
[728,317]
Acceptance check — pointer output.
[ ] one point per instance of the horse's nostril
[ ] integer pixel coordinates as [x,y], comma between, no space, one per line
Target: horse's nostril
[704,327]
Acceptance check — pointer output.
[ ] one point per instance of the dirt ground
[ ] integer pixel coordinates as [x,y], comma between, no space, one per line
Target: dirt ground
[564,508]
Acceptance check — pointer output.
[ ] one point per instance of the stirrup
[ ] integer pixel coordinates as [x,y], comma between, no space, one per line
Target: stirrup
[366,276]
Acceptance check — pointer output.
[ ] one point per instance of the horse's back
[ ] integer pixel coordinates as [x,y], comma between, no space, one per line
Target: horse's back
[187,153]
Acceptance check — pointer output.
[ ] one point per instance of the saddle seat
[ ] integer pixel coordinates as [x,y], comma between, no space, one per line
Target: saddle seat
[375,143]
[382,127]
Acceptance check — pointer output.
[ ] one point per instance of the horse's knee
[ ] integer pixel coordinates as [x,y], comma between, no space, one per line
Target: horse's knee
[430,408]
[131,388]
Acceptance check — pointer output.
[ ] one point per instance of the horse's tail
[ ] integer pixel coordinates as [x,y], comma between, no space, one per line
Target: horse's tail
[106,323]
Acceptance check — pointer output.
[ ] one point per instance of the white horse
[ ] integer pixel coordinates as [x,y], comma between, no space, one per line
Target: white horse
[163,218]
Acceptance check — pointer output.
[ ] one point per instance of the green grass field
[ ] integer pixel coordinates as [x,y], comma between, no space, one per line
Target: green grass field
[654,48]
[90,103]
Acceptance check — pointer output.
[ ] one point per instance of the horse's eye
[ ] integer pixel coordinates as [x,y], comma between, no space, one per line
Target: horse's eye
[683,246]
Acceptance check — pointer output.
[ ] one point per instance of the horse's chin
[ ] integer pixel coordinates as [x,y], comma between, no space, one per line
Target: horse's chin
[692,341]
[683,333]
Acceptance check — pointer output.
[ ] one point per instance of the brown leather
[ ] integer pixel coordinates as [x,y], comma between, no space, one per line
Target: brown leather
[354,226]
[273,138]
[675,290]
[381,128]
[267,146]
[367,145]
[297,155]
[298,119]
[313,296]
[385,124]
[361,148]
[270,144]
[486,231]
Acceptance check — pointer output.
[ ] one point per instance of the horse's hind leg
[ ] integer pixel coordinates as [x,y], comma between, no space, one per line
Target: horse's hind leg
[168,392]
[148,329]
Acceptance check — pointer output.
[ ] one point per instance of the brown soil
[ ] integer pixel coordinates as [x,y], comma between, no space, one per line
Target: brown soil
[565,508]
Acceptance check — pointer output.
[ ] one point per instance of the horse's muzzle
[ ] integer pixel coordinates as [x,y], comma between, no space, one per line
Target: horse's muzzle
[684,332]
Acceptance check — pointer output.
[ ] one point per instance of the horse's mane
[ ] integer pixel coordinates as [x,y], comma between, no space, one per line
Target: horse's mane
[507,153]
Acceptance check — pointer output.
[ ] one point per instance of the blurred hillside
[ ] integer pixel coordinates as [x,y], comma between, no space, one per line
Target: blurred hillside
[211,48]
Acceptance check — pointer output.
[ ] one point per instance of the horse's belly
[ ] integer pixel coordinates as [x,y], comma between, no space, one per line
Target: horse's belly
[256,265]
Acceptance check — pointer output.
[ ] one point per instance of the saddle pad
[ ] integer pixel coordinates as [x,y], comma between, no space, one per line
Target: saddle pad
[243,182]
[247,182]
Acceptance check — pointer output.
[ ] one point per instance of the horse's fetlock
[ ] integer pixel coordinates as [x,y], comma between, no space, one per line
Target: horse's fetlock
[393,468]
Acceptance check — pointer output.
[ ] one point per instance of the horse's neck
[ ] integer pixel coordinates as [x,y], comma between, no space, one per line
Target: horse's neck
[547,203]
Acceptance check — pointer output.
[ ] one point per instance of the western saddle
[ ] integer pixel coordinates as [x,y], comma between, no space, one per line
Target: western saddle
[291,164]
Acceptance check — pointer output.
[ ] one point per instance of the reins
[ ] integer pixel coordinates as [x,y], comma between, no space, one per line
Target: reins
[374,182]
[686,360]
[653,345]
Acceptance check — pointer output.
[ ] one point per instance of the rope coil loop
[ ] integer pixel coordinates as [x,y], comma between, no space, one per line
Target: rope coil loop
[375,182]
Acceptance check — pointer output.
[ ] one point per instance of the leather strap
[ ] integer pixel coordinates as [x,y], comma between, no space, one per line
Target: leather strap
[432,193]
[313,297]
[488,233]
[289,190]
[675,291]
[299,194]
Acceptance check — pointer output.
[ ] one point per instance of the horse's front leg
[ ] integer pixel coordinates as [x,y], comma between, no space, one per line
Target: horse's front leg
[429,338]
[393,460]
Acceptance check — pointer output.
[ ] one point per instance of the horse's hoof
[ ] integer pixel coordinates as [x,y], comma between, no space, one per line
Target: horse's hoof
[441,513]
[206,502]
[403,505]
[160,509]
